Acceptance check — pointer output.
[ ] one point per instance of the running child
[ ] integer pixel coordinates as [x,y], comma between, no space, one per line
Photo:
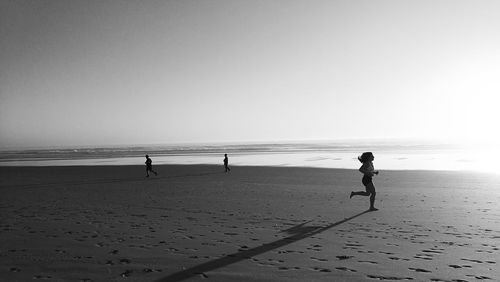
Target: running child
[368,172]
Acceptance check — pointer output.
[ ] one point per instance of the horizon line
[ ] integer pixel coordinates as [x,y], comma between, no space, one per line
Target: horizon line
[232,142]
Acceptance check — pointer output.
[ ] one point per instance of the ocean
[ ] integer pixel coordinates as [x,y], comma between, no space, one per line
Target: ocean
[389,155]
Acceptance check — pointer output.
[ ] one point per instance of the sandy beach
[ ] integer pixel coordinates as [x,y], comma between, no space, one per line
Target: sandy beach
[197,223]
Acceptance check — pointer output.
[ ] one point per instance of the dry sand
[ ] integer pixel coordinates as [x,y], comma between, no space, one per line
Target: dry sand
[196,223]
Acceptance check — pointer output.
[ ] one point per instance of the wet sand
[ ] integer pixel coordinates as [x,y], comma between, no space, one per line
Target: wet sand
[197,223]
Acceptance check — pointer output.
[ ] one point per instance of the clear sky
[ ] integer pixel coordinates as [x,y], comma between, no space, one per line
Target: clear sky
[141,72]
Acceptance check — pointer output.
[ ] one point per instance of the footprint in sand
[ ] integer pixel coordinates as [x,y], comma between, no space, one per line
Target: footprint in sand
[419,270]
[344,257]
[472,260]
[353,246]
[423,256]
[42,277]
[290,252]
[319,259]
[433,251]
[269,262]
[230,234]
[149,270]
[316,248]
[479,277]
[320,269]
[208,244]
[125,261]
[243,248]
[393,278]
[345,269]
[397,258]
[367,261]
[386,253]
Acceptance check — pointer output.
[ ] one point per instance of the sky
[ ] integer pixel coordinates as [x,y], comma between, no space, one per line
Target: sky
[83,73]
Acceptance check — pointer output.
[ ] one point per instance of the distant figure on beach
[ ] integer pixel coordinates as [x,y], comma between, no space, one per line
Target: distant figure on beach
[368,172]
[226,162]
[149,166]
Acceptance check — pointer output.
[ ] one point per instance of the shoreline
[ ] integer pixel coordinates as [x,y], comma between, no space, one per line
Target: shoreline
[142,167]
[303,155]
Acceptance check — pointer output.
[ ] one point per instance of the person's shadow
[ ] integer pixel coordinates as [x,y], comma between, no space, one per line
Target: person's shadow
[297,232]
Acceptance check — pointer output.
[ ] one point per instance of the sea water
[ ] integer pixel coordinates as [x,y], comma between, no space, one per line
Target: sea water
[392,155]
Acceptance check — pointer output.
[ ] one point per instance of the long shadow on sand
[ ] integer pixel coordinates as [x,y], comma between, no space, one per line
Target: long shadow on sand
[298,232]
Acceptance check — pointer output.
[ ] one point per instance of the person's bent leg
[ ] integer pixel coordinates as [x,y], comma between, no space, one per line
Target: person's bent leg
[360,193]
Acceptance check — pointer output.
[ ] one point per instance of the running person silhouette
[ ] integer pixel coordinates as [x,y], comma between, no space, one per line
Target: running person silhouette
[226,162]
[149,166]
[368,172]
